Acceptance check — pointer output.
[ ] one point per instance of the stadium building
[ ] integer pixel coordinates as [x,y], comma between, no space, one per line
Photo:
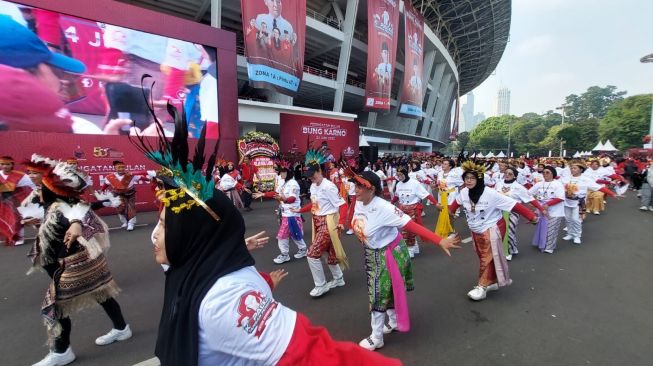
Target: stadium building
[464,41]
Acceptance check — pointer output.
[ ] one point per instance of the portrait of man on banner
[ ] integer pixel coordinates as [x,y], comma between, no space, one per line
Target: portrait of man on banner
[382,51]
[413,87]
[274,33]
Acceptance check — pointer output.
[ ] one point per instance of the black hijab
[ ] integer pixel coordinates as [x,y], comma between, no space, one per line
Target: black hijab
[200,251]
[476,192]
[404,171]
[514,172]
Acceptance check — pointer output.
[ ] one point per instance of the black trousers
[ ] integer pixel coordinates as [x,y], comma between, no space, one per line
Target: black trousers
[246,196]
[110,306]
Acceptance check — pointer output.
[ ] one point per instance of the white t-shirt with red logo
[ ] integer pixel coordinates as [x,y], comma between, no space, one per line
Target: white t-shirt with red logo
[546,191]
[487,211]
[289,189]
[325,198]
[514,190]
[410,192]
[376,224]
[241,324]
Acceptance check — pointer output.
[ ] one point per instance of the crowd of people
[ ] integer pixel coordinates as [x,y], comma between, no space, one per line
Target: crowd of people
[199,238]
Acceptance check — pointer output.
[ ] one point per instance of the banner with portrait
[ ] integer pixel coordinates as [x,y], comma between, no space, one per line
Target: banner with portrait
[382,32]
[412,93]
[261,149]
[274,32]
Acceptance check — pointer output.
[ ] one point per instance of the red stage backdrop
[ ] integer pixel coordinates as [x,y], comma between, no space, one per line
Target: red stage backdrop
[338,136]
[382,29]
[95,155]
[274,32]
[411,96]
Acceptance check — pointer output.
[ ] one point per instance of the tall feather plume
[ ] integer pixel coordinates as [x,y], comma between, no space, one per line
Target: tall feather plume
[179,144]
[210,165]
[198,158]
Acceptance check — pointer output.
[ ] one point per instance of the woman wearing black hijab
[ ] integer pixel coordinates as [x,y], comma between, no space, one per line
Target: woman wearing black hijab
[217,308]
[483,208]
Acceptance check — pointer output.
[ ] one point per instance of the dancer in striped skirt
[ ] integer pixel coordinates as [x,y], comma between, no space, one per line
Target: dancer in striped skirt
[551,195]
[509,187]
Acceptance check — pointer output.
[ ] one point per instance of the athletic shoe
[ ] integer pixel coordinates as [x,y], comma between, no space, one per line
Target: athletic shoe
[492,287]
[423,213]
[350,232]
[549,251]
[509,257]
[130,227]
[336,282]
[319,290]
[644,208]
[123,226]
[282,258]
[371,343]
[576,240]
[416,247]
[650,208]
[113,336]
[567,237]
[57,359]
[300,254]
[565,228]
[387,328]
[478,293]
[20,242]
[596,213]
[411,251]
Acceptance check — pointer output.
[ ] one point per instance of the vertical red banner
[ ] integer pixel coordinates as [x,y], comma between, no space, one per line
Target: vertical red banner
[382,29]
[275,32]
[412,93]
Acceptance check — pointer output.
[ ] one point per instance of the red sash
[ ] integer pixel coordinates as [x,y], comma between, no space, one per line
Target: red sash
[120,185]
[9,184]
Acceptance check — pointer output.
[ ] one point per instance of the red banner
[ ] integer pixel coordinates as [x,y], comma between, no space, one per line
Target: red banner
[338,138]
[412,96]
[94,153]
[275,32]
[382,29]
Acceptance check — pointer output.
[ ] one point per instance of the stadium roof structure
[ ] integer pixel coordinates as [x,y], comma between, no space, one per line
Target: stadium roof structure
[475,33]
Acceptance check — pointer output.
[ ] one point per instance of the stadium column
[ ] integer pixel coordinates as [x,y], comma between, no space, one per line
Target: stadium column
[371,119]
[433,97]
[442,104]
[345,54]
[216,13]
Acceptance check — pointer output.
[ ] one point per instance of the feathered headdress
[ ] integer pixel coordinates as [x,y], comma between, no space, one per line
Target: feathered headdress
[65,180]
[181,176]
[39,164]
[471,166]
[314,157]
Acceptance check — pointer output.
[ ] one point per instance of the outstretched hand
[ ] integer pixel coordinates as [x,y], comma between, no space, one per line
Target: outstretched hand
[277,276]
[257,241]
[450,242]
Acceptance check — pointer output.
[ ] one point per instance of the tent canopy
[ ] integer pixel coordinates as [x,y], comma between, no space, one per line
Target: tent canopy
[501,155]
[599,147]
[480,155]
[609,147]
[490,155]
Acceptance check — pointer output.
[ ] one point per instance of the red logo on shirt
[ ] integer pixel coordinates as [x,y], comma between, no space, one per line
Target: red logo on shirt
[255,309]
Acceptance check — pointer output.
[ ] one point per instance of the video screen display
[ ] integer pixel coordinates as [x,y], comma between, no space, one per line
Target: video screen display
[60,73]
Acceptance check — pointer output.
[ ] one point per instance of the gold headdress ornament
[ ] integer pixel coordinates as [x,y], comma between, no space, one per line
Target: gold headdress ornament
[470,166]
[578,163]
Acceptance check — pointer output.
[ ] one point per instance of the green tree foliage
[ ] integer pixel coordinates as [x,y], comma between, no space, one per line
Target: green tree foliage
[627,121]
[593,103]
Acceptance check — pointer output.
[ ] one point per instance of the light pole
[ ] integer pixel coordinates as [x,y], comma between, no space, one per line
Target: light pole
[509,131]
[562,125]
[648,59]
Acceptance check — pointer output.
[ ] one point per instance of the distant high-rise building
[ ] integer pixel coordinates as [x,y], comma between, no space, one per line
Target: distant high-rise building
[503,102]
[467,113]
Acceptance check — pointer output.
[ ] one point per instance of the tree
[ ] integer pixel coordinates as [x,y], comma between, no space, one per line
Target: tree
[627,121]
[463,140]
[593,103]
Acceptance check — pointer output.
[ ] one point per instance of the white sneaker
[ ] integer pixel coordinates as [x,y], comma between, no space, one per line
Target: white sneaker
[130,227]
[300,254]
[596,213]
[650,208]
[423,213]
[576,240]
[411,252]
[478,293]
[371,344]
[281,258]
[113,336]
[336,282]
[387,328]
[416,247]
[350,232]
[509,257]
[319,290]
[57,359]
[20,242]
[644,208]
[123,226]
[565,228]
[567,237]
[550,251]
[492,287]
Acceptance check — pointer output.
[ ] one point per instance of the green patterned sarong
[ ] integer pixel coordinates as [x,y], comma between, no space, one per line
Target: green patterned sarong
[379,284]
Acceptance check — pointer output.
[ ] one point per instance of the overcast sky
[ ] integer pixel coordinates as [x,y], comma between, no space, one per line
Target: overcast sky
[560,47]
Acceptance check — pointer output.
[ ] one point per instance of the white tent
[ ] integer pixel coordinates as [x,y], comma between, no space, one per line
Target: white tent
[599,147]
[480,155]
[577,155]
[501,155]
[490,155]
[362,141]
[609,147]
